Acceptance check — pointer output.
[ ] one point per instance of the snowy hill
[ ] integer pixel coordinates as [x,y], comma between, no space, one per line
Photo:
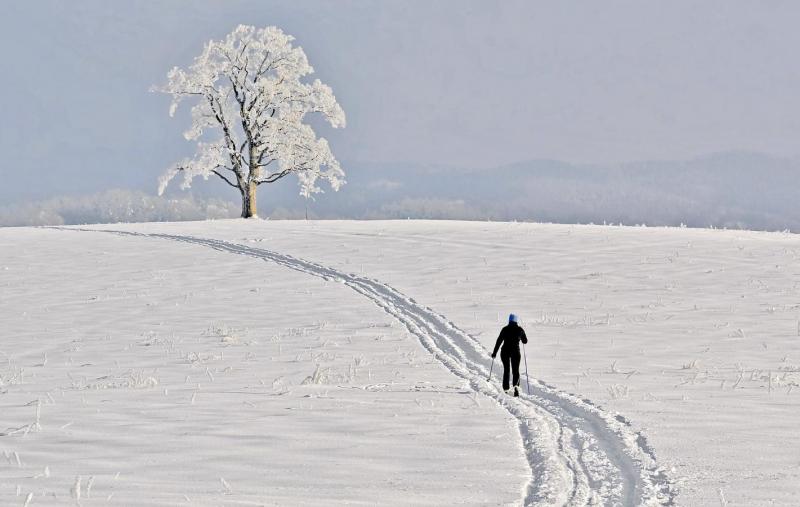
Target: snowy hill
[258,362]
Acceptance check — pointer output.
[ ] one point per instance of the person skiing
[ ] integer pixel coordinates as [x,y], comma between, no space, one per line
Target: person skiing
[510,336]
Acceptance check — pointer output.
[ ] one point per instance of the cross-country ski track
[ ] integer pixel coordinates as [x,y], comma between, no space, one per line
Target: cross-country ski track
[578,454]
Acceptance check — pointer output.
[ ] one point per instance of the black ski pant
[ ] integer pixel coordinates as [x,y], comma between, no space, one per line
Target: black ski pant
[510,360]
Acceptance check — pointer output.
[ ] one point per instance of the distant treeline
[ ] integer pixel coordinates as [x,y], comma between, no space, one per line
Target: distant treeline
[115,206]
[731,190]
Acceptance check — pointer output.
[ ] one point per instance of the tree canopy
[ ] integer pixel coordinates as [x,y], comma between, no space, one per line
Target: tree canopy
[248,119]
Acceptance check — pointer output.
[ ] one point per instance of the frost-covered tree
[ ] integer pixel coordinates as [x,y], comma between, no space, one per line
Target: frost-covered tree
[251,100]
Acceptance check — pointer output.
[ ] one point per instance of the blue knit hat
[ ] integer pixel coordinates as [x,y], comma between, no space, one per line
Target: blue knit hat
[512,318]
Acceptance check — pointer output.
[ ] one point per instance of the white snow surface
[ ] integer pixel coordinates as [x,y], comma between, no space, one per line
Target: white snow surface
[257,362]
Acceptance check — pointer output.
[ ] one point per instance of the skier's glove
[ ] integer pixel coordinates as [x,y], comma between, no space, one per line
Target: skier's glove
[493,354]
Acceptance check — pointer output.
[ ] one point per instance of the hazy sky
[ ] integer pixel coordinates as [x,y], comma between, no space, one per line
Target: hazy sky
[462,83]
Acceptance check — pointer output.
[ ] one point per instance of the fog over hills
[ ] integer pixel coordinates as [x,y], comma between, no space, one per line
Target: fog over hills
[724,190]
[733,190]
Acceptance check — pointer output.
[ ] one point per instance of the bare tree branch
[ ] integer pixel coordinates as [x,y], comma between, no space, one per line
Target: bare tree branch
[226,180]
[219,115]
[272,178]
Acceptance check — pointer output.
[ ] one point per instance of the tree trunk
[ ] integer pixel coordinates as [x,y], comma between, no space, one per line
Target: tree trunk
[249,209]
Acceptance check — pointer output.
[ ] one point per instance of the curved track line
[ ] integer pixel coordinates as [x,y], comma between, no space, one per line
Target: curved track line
[577,453]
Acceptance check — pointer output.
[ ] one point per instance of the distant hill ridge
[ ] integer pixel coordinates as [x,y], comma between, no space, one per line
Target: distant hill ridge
[726,190]
[735,190]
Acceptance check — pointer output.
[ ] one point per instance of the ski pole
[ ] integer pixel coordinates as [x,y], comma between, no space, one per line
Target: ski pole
[527,381]
[490,371]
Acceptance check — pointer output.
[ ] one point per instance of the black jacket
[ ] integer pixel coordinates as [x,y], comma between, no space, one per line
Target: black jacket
[510,336]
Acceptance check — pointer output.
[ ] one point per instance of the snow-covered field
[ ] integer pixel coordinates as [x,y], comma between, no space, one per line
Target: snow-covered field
[209,363]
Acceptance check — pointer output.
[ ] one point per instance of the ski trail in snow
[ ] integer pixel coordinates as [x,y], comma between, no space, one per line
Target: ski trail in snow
[577,453]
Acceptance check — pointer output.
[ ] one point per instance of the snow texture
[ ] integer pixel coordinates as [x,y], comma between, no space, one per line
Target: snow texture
[627,317]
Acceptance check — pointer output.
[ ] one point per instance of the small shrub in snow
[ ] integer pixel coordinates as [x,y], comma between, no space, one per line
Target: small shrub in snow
[320,376]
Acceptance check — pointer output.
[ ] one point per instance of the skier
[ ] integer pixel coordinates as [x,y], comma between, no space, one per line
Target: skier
[510,336]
